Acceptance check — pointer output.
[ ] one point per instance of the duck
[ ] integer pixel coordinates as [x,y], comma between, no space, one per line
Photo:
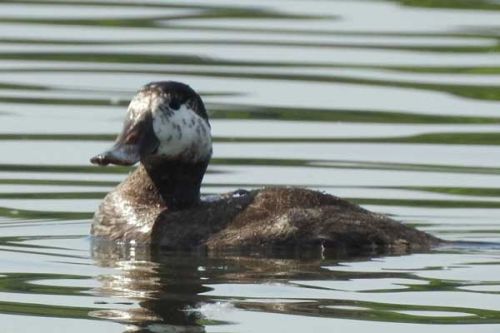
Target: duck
[167,132]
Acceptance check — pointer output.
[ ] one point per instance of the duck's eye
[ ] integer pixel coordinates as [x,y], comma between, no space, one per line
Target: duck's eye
[174,105]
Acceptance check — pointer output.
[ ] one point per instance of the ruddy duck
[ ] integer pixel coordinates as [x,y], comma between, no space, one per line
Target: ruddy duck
[167,130]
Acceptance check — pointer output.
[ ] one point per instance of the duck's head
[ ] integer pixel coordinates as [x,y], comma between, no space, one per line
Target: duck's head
[165,120]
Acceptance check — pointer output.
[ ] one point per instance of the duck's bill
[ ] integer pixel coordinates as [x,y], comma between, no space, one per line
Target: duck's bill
[120,154]
[135,141]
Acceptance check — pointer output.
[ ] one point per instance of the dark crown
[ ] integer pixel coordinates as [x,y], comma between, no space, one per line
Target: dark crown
[179,94]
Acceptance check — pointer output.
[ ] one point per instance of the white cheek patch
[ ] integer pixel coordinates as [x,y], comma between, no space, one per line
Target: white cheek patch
[181,133]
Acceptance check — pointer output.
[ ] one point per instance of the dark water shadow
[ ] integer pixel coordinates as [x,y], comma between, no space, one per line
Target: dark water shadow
[168,286]
[168,289]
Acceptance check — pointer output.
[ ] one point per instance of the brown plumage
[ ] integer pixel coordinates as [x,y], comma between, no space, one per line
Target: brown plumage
[285,217]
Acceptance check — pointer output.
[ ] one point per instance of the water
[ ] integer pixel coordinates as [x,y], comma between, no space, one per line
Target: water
[392,104]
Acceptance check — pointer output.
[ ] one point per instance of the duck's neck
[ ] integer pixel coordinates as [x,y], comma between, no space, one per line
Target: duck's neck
[177,183]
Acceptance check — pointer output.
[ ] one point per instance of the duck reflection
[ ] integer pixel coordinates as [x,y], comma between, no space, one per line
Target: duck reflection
[158,288]
[162,290]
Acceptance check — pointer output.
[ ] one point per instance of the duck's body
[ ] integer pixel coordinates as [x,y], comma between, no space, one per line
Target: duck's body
[167,130]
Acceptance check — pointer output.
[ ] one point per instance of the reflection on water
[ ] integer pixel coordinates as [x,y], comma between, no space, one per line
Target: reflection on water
[198,291]
[392,104]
